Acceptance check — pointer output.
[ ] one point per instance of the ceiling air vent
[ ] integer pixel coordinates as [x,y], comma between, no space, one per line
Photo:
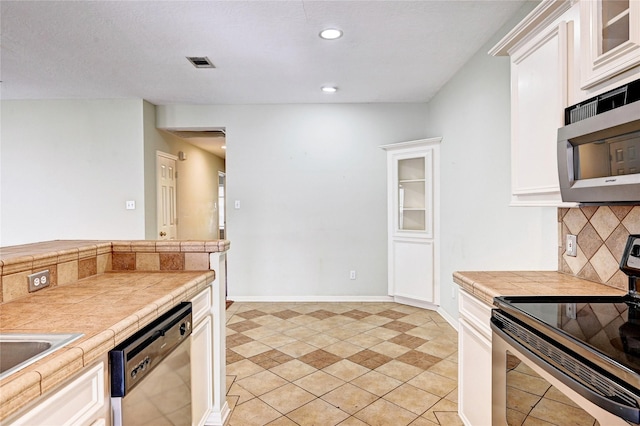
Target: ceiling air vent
[200,61]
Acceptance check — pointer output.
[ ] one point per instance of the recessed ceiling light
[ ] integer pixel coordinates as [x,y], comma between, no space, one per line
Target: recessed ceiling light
[223,147]
[330,34]
[329,89]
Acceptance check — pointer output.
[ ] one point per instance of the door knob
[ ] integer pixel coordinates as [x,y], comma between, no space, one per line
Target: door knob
[162,234]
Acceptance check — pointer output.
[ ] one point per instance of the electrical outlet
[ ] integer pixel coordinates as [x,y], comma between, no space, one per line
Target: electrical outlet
[571,310]
[38,280]
[352,275]
[572,245]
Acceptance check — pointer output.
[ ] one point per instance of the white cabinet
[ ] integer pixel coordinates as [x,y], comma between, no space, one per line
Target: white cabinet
[202,358]
[80,401]
[540,68]
[610,33]
[413,194]
[562,53]
[474,361]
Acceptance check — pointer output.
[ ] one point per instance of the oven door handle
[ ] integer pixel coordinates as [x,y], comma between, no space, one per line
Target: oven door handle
[620,409]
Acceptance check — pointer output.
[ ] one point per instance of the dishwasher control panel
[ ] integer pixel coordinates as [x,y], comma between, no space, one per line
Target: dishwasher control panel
[138,355]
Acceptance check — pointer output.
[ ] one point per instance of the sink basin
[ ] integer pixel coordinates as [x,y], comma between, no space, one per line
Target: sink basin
[20,350]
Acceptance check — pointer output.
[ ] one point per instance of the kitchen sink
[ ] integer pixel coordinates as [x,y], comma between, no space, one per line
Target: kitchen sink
[18,350]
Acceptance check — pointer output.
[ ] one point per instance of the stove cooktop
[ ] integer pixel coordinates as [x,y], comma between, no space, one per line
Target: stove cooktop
[604,330]
[603,326]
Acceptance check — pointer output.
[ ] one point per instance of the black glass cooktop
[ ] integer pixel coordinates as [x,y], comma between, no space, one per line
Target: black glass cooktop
[592,326]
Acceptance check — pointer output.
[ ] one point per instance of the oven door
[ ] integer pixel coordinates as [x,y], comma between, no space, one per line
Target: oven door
[509,378]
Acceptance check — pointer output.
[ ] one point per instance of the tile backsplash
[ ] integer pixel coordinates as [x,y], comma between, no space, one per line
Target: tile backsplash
[68,261]
[602,233]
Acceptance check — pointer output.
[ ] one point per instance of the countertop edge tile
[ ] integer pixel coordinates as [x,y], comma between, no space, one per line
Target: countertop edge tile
[170,287]
[485,285]
[17,393]
[96,346]
[60,368]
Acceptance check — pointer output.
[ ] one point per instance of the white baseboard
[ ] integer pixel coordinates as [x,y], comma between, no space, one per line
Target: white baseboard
[453,322]
[310,298]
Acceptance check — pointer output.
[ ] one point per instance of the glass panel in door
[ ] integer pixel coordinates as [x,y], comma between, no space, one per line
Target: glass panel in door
[411,194]
[614,23]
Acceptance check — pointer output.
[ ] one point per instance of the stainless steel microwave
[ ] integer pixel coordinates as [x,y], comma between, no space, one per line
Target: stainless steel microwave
[599,157]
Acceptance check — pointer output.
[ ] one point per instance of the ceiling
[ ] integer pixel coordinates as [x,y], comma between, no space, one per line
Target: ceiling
[264,52]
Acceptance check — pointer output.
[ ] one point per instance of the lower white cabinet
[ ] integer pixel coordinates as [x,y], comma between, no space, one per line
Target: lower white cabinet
[474,361]
[201,358]
[81,401]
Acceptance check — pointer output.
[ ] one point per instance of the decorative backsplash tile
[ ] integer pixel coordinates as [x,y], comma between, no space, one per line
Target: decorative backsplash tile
[69,261]
[602,233]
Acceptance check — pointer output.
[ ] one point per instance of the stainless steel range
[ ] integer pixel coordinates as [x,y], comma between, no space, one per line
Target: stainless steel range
[589,345]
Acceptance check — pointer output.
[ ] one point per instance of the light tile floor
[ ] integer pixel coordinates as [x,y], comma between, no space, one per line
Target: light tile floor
[340,363]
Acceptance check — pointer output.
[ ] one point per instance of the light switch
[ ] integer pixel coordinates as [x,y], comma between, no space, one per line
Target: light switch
[237,204]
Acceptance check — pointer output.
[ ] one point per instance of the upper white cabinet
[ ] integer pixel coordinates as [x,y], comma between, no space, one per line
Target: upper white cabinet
[610,39]
[540,62]
[412,172]
[562,53]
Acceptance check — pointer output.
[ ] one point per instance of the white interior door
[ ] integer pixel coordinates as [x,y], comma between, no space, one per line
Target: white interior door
[166,189]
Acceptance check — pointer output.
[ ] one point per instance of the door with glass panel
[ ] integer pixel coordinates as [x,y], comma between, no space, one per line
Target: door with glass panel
[412,174]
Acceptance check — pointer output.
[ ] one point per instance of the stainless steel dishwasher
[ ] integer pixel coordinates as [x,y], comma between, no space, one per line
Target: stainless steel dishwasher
[150,373]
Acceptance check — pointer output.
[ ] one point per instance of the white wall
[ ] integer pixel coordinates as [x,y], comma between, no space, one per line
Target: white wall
[67,168]
[479,230]
[312,187]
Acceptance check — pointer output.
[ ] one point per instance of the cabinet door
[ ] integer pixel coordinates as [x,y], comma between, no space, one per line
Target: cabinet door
[79,402]
[610,31]
[474,376]
[201,372]
[413,193]
[538,96]
[412,269]
[474,360]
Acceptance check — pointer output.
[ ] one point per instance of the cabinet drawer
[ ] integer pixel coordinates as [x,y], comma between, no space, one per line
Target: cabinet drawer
[201,305]
[476,312]
[74,404]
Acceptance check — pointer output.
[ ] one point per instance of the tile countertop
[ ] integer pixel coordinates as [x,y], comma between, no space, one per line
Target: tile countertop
[485,285]
[107,308]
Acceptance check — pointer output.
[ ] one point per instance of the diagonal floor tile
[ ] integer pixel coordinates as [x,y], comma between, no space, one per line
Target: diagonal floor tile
[319,383]
[270,359]
[419,359]
[287,398]
[253,413]
[293,370]
[261,383]
[369,359]
[434,383]
[293,364]
[319,359]
[243,326]
[346,370]
[317,412]
[376,383]
[411,398]
[349,398]
[382,413]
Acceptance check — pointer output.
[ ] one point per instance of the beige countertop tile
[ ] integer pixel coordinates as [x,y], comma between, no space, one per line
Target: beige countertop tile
[106,308]
[485,285]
